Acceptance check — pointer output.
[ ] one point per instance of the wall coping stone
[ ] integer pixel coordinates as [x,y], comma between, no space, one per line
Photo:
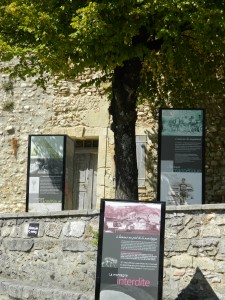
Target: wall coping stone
[197,207]
[73,213]
[65,213]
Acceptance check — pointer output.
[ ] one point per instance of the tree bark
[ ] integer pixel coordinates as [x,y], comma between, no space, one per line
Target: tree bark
[126,80]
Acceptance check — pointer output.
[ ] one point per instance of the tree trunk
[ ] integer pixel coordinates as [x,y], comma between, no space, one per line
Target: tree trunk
[125,82]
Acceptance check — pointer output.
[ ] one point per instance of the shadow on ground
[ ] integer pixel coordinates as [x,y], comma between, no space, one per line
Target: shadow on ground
[198,289]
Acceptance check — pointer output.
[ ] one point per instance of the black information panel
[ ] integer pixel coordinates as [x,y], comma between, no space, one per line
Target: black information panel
[181,156]
[48,168]
[130,250]
[33,229]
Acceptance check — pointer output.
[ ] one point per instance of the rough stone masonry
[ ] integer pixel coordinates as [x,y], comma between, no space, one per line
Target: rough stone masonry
[83,112]
[60,263]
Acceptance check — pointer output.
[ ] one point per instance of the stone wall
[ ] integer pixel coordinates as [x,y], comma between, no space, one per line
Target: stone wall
[65,108]
[82,113]
[194,262]
[24,109]
[62,259]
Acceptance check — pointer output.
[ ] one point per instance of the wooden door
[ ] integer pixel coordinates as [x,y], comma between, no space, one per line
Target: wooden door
[85,180]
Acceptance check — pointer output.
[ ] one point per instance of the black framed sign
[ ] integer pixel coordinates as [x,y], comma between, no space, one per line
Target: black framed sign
[33,229]
[48,172]
[181,156]
[130,250]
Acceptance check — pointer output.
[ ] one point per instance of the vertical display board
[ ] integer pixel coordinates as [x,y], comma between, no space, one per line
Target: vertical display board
[130,250]
[46,174]
[181,156]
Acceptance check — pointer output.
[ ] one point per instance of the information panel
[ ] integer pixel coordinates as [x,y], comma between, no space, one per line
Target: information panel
[181,156]
[130,251]
[49,176]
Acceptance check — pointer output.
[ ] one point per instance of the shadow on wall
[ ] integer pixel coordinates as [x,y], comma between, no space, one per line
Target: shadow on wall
[198,289]
[152,159]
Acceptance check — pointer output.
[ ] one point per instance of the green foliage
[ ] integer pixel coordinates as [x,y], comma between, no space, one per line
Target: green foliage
[94,235]
[180,43]
[7,86]
[8,106]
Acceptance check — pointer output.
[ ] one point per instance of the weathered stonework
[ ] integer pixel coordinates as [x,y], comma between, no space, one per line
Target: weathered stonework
[83,113]
[63,256]
[194,253]
[63,109]
[61,260]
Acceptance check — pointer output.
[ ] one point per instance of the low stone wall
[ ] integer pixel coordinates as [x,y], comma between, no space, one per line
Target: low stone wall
[194,252]
[61,258]
[60,263]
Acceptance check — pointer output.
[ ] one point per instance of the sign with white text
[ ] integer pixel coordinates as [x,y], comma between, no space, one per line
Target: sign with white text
[33,229]
[181,156]
[130,253]
[49,173]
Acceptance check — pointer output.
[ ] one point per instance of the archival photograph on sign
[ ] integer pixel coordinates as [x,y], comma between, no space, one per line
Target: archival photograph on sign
[181,156]
[34,185]
[46,146]
[182,122]
[130,261]
[121,218]
[181,188]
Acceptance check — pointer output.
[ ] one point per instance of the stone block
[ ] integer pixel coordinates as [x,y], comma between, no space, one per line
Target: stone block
[5,231]
[16,232]
[27,292]
[3,287]
[211,231]
[204,242]
[86,297]
[179,272]
[46,293]
[15,290]
[182,261]
[64,295]
[203,263]
[74,229]
[37,293]
[76,246]
[176,245]
[188,233]
[175,222]
[166,262]
[38,244]
[19,245]
[171,233]
[53,229]
[222,246]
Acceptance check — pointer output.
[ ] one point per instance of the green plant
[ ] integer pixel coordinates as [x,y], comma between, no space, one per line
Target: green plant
[8,106]
[95,238]
[7,86]
[94,235]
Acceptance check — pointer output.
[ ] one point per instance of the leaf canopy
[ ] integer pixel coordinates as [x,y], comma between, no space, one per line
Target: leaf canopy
[181,43]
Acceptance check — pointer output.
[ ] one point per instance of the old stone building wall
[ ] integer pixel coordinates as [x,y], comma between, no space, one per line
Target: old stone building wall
[24,109]
[66,108]
[82,113]
[215,152]
[60,262]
